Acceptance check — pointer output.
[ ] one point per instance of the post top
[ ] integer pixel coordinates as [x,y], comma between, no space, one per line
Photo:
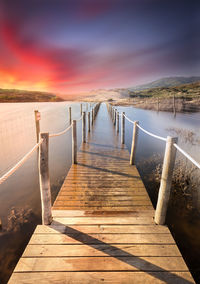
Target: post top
[172,139]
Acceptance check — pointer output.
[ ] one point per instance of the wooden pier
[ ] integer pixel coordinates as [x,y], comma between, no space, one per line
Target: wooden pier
[103,228]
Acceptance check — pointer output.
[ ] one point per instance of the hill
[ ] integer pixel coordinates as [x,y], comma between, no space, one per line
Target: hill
[182,98]
[13,96]
[166,82]
[187,91]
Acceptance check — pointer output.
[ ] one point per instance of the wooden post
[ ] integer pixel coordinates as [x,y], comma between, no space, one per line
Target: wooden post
[70,115]
[92,116]
[134,143]
[74,143]
[95,107]
[166,181]
[114,117]
[88,121]
[45,191]
[174,105]
[117,122]
[81,109]
[122,128]
[83,128]
[158,105]
[37,124]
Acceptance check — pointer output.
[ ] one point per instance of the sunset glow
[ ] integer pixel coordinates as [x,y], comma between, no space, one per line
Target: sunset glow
[74,46]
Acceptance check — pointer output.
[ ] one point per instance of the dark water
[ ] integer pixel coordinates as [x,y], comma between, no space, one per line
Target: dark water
[20,197]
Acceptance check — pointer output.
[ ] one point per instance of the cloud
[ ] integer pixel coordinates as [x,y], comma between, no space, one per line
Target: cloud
[69,46]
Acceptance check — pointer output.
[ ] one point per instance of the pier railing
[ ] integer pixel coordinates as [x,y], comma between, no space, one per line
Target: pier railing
[168,162]
[43,154]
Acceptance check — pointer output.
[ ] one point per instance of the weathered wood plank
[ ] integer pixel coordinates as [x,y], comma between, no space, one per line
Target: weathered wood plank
[103,208]
[101,264]
[100,250]
[55,229]
[103,203]
[81,213]
[102,277]
[98,197]
[103,220]
[77,238]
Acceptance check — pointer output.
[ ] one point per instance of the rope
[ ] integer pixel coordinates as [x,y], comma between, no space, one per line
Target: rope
[20,163]
[145,131]
[60,133]
[187,155]
[151,134]
[128,119]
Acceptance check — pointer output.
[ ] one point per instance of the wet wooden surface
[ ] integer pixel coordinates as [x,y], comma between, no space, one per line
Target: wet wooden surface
[103,229]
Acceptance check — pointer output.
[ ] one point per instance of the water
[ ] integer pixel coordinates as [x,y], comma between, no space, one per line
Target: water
[17,137]
[20,192]
[158,123]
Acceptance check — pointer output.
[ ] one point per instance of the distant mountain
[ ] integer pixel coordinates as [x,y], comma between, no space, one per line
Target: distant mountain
[166,82]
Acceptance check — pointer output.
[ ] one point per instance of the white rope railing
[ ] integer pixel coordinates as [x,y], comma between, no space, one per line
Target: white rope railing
[187,156]
[131,121]
[64,131]
[151,134]
[20,163]
[165,139]
[145,131]
[60,133]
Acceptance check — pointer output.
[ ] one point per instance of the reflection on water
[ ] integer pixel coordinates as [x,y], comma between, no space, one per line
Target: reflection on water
[17,136]
[21,190]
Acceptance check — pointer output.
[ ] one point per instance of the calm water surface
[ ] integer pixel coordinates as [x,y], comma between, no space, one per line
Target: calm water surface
[18,136]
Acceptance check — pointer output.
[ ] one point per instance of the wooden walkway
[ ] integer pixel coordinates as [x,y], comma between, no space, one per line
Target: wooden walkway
[103,229]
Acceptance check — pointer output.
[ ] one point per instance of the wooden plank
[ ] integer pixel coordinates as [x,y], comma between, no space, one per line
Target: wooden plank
[103,220]
[103,203]
[54,229]
[101,264]
[104,208]
[81,213]
[103,189]
[84,192]
[80,171]
[102,277]
[97,197]
[77,238]
[100,250]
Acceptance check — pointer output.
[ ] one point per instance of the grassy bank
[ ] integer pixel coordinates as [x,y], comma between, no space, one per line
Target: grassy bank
[14,96]
[183,98]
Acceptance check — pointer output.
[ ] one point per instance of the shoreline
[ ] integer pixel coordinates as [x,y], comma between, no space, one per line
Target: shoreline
[170,104]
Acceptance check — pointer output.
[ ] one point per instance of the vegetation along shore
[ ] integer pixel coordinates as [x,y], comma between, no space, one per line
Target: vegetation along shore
[182,98]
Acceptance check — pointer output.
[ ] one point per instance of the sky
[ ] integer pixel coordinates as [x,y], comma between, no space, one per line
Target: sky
[75,46]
